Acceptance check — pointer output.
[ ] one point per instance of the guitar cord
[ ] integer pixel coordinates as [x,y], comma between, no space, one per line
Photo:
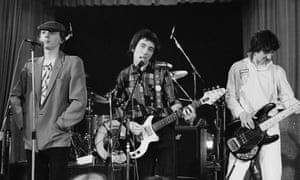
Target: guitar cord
[231,170]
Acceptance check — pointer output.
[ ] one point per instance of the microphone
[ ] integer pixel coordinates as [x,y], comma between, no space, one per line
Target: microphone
[70,34]
[140,67]
[172,32]
[32,42]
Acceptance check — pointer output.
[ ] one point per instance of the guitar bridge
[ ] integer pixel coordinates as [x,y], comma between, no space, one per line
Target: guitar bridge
[233,144]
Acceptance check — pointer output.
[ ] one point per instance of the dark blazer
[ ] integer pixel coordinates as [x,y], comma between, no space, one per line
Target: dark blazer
[63,107]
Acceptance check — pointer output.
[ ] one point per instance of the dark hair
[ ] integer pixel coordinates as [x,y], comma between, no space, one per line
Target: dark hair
[148,35]
[264,40]
[156,178]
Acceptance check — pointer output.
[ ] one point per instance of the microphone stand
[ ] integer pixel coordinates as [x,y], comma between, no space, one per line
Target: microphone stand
[3,135]
[5,147]
[33,133]
[195,72]
[140,73]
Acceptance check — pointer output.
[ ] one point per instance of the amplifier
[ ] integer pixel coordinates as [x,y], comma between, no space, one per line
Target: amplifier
[191,154]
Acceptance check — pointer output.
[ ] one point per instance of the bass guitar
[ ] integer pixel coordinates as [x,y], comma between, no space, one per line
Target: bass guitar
[245,143]
[148,134]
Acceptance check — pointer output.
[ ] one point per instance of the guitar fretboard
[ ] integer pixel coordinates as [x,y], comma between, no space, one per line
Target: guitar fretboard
[278,117]
[172,117]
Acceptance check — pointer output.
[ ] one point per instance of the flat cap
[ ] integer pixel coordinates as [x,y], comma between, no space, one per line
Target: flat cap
[52,26]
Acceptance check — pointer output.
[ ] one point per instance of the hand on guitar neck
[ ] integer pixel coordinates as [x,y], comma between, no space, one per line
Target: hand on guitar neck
[149,129]
[188,112]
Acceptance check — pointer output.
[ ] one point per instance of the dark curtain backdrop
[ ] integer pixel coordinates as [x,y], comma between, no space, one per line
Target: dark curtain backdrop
[19,19]
[76,3]
[282,17]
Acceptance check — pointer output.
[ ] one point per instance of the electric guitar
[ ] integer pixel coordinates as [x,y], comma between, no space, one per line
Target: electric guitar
[245,143]
[148,134]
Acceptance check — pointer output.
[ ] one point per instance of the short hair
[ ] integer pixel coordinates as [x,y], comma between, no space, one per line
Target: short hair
[148,35]
[156,177]
[264,40]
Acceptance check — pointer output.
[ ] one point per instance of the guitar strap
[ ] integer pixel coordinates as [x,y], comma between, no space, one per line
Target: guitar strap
[157,88]
[147,78]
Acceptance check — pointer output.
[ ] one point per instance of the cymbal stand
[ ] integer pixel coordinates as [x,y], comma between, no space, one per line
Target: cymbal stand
[195,72]
[111,142]
[220,137]
[223,140]
[185,93]
[90,125]
[182,89]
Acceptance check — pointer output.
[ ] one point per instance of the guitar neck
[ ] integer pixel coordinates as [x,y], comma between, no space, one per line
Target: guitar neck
[278,117]
[172,117]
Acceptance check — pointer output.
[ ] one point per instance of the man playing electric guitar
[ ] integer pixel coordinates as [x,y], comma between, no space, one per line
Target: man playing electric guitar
[147,88]
[252,83]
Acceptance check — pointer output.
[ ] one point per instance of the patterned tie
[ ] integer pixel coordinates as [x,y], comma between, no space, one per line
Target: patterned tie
[45,80]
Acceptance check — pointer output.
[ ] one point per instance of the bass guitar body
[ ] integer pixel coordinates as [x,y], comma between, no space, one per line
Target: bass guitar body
[245,143]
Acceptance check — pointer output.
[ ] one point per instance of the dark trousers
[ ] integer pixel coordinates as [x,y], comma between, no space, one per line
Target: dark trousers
[159,158]
[50,164]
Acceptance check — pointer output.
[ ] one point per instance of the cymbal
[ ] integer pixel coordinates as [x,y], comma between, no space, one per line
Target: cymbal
[178,74]
[97,98]
[101,99]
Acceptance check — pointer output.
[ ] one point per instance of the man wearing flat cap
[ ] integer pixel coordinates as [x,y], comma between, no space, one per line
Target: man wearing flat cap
[60,100]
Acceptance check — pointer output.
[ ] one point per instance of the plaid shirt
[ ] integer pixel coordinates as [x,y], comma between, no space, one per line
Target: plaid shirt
[153,92]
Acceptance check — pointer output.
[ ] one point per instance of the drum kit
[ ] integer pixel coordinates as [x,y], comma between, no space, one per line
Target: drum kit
[95,134]
[100,136]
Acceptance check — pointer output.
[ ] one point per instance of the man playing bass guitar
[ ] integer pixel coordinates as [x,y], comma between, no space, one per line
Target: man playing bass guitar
[252,83]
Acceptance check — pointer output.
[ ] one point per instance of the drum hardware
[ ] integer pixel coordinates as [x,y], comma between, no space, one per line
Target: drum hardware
[97,98]
[178,74]
[116,157]
[107,141]
[79,146]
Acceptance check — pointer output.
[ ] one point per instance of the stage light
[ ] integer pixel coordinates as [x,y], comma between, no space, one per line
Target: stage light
[210,141]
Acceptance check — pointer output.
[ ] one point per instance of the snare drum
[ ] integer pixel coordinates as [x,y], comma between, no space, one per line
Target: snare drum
[102,141]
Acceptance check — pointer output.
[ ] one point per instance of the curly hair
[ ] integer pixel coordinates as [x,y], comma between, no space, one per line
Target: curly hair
[264,40]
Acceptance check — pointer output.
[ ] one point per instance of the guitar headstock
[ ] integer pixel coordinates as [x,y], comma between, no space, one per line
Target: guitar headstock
[210,97]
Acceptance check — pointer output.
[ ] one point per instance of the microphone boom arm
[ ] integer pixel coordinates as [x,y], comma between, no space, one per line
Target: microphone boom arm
[195,72]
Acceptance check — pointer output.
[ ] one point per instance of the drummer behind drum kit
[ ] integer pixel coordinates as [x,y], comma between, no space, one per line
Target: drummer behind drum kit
[98,136]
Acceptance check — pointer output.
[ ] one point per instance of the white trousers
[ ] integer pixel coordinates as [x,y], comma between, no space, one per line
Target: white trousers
[269,160]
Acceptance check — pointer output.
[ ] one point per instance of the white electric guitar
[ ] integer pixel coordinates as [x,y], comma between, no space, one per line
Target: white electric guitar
[148,134]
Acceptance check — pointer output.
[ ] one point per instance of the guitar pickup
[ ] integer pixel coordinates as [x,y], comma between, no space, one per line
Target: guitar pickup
[233,144]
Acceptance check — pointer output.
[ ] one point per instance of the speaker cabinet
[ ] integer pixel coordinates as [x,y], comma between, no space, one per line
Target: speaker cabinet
[190,152]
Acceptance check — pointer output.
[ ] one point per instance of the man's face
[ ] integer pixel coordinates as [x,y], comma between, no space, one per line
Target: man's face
[263,57]
[143,51]
[50,39]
